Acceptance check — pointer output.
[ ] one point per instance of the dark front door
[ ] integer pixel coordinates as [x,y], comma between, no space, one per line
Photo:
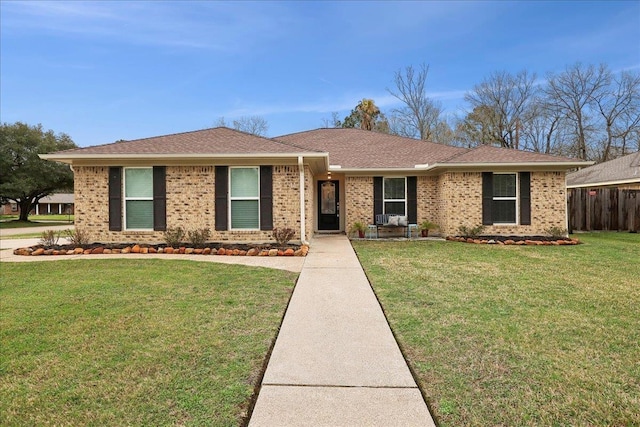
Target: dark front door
[328,205]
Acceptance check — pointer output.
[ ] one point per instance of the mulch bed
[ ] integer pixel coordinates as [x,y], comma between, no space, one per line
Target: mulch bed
[227,249]
[515,240]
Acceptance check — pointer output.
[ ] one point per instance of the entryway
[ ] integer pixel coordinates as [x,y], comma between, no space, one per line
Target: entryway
[328,205]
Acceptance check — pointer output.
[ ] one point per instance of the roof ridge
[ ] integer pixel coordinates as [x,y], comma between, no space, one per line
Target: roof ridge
[447,159]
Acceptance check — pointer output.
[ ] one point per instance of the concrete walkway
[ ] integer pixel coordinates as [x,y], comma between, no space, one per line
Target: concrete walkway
[335,361]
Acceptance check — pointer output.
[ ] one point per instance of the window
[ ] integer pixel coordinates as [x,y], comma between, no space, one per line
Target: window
[244,198]
[395,196]
[138,198]
[504,198]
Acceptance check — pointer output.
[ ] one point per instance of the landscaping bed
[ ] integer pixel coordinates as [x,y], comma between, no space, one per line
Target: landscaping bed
[226,249]
[515,240]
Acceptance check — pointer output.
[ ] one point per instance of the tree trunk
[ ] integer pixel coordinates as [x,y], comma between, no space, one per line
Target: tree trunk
[607,148]
[25,207]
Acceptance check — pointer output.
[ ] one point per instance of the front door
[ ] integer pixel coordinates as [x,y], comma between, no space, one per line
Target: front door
[328,205]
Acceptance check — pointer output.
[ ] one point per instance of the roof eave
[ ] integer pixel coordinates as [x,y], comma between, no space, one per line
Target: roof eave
[502,165]
[70,158]
[334,168]
[606,183]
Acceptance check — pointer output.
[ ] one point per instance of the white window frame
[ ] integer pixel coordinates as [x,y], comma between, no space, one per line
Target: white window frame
[243,198]
[385,200]
[125,199]
[515,198]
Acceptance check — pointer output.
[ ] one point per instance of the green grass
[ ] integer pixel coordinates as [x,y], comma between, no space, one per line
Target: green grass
[31,223]
[134,342]
[508,335]
[61,218]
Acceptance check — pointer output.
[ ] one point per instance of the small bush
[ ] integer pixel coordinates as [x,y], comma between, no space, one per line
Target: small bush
[358,228]
[283,235]
[557,232]
[471,232]
[199,236]
[49,237]
[77,237]
[174,236]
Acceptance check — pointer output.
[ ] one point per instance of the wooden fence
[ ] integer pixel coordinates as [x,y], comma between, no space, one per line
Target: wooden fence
[592,209]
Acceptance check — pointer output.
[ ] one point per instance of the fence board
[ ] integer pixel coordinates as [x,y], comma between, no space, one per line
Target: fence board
[592,209]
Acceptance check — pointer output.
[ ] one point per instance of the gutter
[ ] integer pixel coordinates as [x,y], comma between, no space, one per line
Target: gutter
[70,158]
[303,215]
[605,183]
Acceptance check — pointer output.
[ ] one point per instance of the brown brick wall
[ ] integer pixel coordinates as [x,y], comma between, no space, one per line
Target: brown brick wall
[461,198]
[428,207]
[450,200]
[190,204]
[359,200]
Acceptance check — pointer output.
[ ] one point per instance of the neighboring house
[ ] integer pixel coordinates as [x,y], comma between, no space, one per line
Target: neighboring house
[61,204]
[622,173]
[606,196]
[54,204]
[242,186]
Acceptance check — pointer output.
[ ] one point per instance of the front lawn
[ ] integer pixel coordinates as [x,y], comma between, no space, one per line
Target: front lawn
[134,342]
[14,223]
[510,335]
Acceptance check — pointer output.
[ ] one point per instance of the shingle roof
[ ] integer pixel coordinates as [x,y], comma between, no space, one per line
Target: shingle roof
[58,198]
[490,154]
[625,169]
[218,140]
[355,148]
[348,148]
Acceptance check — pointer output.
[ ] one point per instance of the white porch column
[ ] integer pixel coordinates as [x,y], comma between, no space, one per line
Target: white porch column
[303,214]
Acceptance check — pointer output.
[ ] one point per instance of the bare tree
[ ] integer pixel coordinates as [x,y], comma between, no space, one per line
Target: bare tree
[544,130]
[508,98]
[333,122]
[420,115]
[619,108]
[255,125]
[571,93]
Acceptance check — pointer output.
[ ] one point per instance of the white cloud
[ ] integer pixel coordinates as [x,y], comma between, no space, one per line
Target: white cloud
[218,25]
[340,104]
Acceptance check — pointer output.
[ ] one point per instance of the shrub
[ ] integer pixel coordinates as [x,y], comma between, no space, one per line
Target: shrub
[77,237]
[557,232]
[199,236]
[471,232]
[283,235]
[49,237]
[174,236]
[359,228]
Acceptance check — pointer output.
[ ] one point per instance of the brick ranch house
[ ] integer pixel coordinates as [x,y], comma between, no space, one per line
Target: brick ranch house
[241,186]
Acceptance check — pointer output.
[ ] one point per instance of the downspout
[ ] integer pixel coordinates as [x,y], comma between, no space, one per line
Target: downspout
[303,216]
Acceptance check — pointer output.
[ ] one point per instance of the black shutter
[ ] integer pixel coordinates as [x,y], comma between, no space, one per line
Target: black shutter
[115,198]
[412,200]
[487,198]
[377,197]
[266,197]
[159,198]
[525,198]
[222,195]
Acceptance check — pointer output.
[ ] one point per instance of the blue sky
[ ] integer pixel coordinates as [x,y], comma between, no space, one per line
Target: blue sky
[102,71]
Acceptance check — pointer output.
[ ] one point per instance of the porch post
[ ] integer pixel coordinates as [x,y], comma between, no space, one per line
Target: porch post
[303,215]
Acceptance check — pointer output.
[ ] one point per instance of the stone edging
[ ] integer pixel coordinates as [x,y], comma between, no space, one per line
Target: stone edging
[525,242]
[138,249]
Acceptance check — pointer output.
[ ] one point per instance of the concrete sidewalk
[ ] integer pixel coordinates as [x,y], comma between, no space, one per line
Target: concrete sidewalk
[335,361]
